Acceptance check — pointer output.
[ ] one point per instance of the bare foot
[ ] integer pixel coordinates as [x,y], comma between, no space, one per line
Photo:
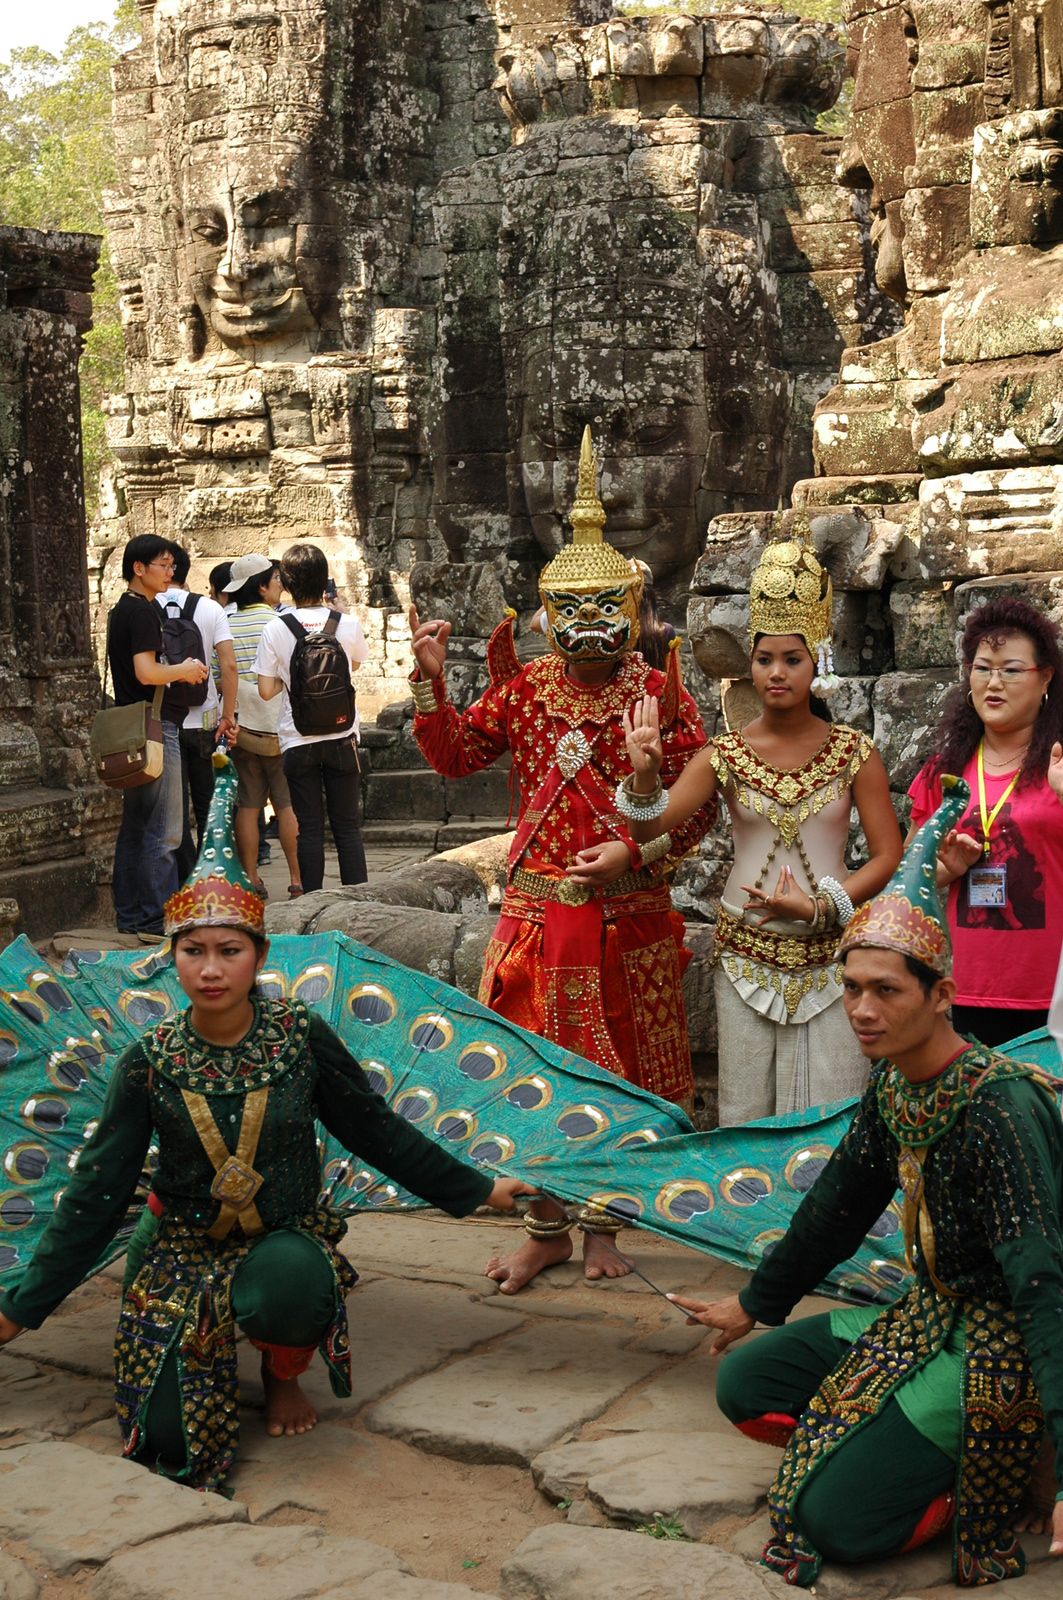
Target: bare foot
[287,1408]
[600,1262]
[513,1272]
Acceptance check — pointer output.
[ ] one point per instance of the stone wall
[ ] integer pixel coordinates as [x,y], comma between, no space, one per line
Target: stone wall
[57,825]
[939,451]
[380,263]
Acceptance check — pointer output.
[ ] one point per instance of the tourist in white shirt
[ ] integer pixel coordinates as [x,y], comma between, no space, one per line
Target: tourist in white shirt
[203,725]
[321,769]
[254,589]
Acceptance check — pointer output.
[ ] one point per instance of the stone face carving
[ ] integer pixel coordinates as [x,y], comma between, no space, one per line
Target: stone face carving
[57,824]
[381,264]
[939,451]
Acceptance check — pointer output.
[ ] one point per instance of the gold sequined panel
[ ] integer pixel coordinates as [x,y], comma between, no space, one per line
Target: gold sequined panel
[806,790]
[781,950]
[572,705]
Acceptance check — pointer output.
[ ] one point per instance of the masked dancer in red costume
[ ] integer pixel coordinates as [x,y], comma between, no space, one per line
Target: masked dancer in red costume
[587,951]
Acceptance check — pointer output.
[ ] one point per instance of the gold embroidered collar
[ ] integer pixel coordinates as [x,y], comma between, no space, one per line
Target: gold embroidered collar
[576,706]
[835,763]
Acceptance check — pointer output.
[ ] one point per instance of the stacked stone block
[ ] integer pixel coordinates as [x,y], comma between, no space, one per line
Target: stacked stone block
[56,823]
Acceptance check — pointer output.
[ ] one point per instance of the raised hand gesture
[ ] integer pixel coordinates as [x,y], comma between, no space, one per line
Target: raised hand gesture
[642,730]
[429,644]
[958,852]
[1055,770]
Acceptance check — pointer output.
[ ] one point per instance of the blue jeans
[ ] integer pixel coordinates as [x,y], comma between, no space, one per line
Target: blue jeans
[145,855]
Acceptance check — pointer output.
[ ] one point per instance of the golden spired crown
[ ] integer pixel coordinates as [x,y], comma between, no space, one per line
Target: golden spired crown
[591,592]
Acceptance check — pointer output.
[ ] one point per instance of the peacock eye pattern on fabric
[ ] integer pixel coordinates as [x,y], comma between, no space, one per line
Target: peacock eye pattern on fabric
[498,1097]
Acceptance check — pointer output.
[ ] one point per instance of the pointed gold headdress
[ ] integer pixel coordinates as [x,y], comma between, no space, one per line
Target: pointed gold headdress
[591,592]
[790,592]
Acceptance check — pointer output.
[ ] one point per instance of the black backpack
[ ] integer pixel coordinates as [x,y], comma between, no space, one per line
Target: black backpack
[320,688]
[182,641]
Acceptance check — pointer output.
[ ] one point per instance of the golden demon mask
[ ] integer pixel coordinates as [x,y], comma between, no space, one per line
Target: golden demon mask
[591,592]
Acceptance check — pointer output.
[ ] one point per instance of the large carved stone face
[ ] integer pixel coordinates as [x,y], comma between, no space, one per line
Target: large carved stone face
[647,411]
[245,257]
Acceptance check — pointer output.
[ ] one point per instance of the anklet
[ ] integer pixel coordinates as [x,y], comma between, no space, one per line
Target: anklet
[546,1227]
[592,1220]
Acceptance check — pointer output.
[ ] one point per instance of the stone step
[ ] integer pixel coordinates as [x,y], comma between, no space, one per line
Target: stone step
[424,795]
[571,1563]
[431,836]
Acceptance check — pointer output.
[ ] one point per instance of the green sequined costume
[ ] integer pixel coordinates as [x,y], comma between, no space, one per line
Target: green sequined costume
[180,1299]
[981,1148]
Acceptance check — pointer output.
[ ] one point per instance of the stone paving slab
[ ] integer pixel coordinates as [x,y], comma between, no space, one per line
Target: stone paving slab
[247,1563]
[72,1505]
[17,1582]
[297,1473]
[509,1403]
[398,1330]
[82,1342]
[698,1477]
[1043,1582]
[39,1401]
[398,1587]
[882,1580]
[566,1563]
[680,1400]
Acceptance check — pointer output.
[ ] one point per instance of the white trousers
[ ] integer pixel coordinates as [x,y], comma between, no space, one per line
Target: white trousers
[770,1068]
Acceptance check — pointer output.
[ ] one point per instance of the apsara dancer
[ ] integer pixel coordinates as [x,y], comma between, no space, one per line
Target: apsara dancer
[790,779]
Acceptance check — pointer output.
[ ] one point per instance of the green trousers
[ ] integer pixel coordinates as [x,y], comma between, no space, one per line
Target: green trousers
[863,1503]
[283,1292]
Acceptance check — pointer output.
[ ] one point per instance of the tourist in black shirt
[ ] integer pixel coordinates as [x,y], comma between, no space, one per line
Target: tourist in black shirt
[145,855]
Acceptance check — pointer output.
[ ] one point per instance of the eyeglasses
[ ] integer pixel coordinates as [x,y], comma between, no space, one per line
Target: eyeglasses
[166,565]
[980,674]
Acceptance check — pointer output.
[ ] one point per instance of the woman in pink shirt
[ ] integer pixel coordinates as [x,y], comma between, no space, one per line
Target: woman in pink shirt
[1001,731]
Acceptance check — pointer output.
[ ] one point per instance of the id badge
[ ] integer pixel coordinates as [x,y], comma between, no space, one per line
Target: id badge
[987,886]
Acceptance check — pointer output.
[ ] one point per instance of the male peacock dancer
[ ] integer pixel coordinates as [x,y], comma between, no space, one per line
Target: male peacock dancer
[901,1420]
[587,951]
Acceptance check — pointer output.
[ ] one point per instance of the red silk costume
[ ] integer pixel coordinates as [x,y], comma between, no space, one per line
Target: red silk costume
[599,973]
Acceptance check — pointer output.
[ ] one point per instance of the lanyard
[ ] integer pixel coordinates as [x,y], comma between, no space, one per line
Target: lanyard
[989,817]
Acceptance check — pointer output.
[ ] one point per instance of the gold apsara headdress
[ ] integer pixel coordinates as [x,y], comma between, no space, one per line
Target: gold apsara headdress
[790,592]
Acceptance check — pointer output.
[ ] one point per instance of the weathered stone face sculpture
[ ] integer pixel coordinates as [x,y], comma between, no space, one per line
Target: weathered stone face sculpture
[641,273]
[939,452]
[380,265]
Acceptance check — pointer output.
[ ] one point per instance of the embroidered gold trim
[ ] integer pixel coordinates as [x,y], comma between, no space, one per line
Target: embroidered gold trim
[236,1183]
[575,706]
[784,951]
[835,764]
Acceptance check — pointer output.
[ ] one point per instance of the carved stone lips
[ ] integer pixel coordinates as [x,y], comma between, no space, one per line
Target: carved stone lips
[244,310]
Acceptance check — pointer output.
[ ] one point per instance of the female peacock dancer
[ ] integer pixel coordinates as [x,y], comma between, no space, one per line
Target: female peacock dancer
[790,779]
[230,1091]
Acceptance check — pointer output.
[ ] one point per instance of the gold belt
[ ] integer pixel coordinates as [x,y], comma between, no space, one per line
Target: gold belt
[540,886]
[785,951]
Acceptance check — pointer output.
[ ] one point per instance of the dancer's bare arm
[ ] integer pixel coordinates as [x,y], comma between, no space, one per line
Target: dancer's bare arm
[694,787]
[8,1329]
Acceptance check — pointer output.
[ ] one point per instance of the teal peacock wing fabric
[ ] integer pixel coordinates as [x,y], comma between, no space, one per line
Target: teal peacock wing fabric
[497,1096]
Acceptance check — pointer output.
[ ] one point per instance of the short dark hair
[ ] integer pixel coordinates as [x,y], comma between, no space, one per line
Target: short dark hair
[304,569]
[181,562]
[925,975]
[220,575]
[145,548]
[250,593]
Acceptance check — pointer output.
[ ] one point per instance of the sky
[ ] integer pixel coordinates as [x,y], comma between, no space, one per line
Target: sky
[47,23]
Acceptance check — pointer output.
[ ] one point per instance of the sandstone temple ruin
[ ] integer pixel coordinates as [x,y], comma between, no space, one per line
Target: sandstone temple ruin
[380,262]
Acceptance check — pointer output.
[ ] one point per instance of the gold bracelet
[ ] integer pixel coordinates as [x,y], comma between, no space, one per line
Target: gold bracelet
[654,849]
[424,696]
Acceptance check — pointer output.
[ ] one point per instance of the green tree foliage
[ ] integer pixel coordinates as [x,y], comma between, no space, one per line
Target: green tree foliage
[56,159]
